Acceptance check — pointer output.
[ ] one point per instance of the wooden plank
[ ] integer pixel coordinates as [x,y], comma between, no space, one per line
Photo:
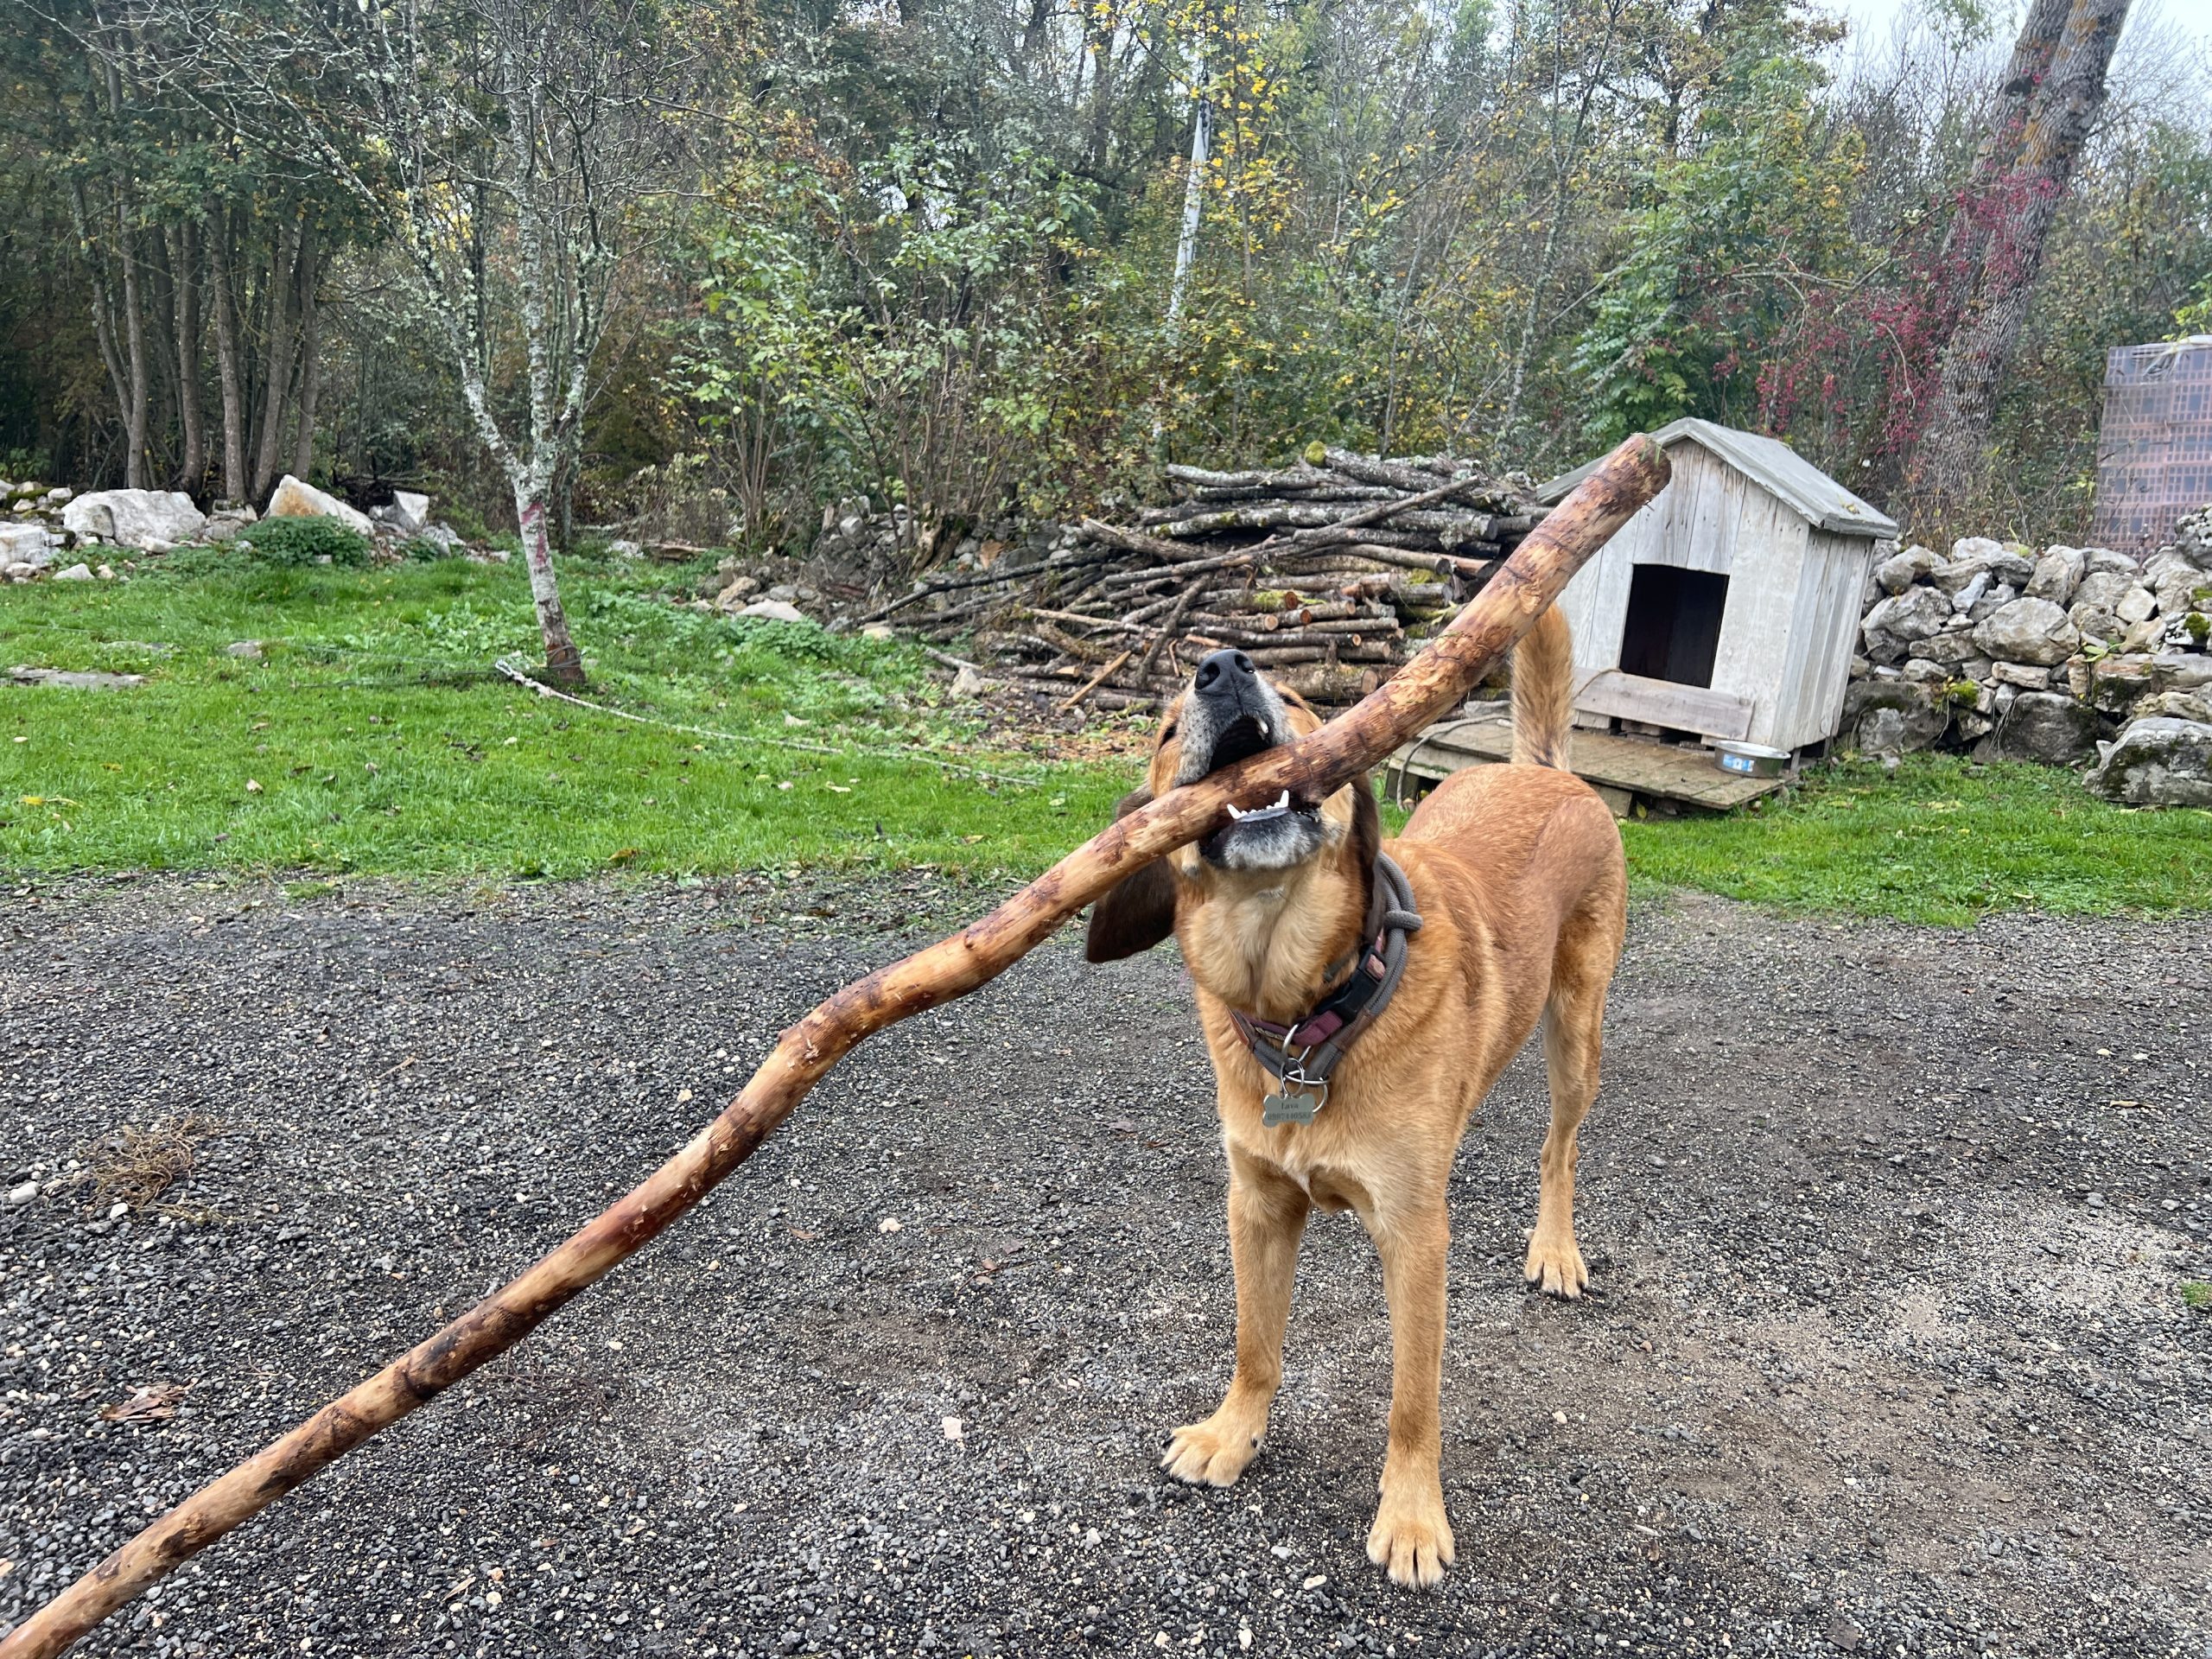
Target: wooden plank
[1755,634]
[1664,702]
[1642,768]
[1618,801]
[1824,673]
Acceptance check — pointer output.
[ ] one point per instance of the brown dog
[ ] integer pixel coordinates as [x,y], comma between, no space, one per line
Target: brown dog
[1517,876]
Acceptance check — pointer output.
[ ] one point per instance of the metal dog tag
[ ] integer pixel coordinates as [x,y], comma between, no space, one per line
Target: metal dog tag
[1288,1107]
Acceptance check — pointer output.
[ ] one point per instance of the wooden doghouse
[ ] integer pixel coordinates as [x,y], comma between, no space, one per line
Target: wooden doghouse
[1728,607]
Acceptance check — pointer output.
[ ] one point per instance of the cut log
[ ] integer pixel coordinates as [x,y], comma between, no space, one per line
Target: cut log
[1369,469]
[1313,766]
[1168,628]
[1189,566]
[1097,679]
[1134,541]
[1250,480]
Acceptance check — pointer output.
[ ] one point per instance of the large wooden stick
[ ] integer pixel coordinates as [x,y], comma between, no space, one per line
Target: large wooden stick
[1424,689]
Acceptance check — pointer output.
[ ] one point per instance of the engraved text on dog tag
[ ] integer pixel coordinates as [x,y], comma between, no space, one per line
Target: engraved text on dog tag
[1290,1106]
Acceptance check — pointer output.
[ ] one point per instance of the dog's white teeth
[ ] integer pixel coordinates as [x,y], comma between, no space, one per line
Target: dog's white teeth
[1274,809]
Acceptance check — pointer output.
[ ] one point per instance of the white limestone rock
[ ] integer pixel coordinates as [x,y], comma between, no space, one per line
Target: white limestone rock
[139,519]
[2029,630]
[2057,574]
[2161,761]
[296,498]
[27,544]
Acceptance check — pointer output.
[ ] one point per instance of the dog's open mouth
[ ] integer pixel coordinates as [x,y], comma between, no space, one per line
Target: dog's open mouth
[1270,835]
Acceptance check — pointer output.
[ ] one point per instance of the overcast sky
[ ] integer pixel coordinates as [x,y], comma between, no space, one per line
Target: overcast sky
[2175,34]
[1874,18]
[2193,18]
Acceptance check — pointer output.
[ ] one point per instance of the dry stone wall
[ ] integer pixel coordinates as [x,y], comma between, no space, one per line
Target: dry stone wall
[2069,656]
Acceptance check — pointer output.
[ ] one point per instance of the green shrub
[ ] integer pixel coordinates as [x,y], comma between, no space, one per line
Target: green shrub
[422,550]
[304,541]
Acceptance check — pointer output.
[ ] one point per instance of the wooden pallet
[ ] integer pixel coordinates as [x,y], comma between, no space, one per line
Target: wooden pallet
[1619,768]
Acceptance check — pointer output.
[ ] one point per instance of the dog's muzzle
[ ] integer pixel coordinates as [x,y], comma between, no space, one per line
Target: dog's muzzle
[1231,713]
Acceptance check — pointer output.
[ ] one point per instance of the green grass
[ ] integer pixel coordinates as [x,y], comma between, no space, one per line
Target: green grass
[2196,1295]
[1942,840]
[333,756]
[381,745]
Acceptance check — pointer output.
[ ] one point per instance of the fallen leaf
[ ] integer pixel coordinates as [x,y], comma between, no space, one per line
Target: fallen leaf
[253,786]
[149,1402]
[888,1225]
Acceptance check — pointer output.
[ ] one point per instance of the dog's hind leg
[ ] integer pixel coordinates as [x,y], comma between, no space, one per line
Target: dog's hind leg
[1574,1021]
[1266,1217]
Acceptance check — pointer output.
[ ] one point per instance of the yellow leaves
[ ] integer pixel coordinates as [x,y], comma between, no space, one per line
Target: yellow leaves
[49,800]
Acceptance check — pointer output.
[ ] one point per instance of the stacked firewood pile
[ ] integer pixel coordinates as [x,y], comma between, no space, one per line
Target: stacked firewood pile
[1328,573]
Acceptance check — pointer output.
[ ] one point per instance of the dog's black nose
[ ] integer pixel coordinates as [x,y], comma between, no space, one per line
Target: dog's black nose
[1224,674]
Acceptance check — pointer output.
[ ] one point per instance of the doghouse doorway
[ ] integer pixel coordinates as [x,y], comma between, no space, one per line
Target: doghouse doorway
[1673,627]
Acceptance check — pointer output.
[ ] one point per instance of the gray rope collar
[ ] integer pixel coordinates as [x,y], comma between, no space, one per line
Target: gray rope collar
[1300,1056]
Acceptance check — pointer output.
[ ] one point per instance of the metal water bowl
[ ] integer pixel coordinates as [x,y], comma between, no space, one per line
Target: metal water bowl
[1751,760]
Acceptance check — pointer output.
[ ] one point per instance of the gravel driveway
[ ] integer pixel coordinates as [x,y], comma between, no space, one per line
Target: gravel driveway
[1889,1353]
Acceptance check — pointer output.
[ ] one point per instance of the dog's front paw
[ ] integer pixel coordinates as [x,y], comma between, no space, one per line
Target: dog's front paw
[1214,1453]
[1555,1265]
[1411,1537]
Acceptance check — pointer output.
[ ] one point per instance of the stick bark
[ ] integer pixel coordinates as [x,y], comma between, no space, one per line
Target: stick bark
[1424,689]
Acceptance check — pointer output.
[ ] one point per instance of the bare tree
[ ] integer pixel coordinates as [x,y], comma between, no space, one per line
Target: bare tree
[506,147]
[524,134]
[2053,89]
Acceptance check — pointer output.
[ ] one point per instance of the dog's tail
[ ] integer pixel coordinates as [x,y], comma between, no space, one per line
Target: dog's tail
[1543,693]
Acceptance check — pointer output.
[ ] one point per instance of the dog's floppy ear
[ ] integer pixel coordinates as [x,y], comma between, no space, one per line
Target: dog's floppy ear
[1366,823]
[1139,911]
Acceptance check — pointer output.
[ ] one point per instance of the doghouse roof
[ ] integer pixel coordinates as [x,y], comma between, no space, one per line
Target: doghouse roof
[1774,466]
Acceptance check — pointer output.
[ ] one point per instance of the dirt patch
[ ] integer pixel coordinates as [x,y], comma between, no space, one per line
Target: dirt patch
[1890,1228]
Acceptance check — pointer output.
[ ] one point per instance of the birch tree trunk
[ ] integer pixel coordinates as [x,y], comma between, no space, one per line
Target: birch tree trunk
[276,359]
[226,355]
[564,663]
[1194,196]
[150,252]
[136,412]
[2054,92]
[102,296]
[184,269]
[310,364]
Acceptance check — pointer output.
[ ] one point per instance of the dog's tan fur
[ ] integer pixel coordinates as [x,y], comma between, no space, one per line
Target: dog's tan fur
[1518,873]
